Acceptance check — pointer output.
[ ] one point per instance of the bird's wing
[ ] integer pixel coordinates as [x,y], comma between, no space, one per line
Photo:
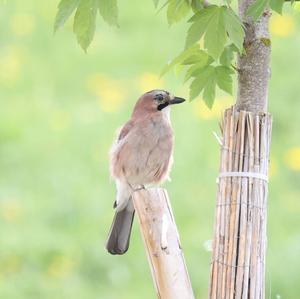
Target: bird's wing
[125,130]
[116,149]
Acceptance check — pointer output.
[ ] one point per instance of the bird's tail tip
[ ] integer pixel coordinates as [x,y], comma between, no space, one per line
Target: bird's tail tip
[119,235]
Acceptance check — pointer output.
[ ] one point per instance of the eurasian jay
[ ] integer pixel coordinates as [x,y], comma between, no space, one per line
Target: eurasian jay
[142,155]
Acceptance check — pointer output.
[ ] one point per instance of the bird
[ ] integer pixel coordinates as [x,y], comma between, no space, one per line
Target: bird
[142,155]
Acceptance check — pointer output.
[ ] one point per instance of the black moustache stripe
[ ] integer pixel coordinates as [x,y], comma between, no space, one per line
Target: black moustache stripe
[162,106]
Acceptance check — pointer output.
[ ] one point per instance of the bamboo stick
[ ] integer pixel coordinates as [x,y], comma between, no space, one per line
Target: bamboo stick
[238,258]
[162,244]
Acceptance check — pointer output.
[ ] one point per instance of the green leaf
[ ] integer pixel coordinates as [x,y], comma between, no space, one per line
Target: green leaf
[209,92]
[209,21]
[193,71]
[224,79]
[177,10]
[206,82]
[85,22]
[228,55]
[155,3]
[202,79]
[196,68]
[197,5]
[215,37]
[65,10]
[180,58]
[256,9]
[200,21]
[206,79]
[109,11]
[199,57]
[234,28]
[277,5]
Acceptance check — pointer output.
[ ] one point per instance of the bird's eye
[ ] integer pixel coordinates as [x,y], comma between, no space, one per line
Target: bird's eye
[159,97]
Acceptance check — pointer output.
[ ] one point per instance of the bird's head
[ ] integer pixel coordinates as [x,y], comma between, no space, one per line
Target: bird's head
[155,101]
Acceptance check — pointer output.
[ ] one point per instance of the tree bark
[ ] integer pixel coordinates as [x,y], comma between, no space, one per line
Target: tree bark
[253,67]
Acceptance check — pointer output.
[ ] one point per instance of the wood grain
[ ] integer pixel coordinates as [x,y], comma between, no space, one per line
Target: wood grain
[162,243]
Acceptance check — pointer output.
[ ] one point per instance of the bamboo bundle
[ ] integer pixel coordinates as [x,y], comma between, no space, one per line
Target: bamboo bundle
[239,247]
[162,243]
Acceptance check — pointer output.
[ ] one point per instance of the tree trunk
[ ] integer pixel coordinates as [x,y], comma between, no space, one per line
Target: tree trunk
[253,68]
[239,245]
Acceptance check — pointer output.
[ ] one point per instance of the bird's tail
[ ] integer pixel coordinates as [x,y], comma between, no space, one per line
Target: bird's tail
[119,235]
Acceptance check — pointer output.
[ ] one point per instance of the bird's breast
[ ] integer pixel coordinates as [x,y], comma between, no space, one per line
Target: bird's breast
[145,154]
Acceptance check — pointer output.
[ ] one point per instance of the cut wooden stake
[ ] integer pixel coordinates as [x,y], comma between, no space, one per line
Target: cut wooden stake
[162,243]
[239,246]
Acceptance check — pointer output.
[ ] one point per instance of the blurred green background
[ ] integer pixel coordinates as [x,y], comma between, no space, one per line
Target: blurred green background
[59,112]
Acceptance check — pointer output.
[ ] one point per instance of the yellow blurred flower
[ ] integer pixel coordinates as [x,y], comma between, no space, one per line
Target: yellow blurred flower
[150,81]
[11,210]
[61,266]
[10,65]
[60,120]
[282,25]
[110,92]
[220,104]
[292,158]
[22,24]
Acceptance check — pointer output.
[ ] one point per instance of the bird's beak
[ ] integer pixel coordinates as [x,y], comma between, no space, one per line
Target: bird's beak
[176,100]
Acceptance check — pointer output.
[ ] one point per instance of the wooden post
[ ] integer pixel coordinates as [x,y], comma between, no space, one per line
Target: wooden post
[162,243]
[239,247]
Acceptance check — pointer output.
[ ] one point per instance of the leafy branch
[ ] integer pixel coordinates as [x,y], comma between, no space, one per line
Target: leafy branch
[206,67]
[84,25]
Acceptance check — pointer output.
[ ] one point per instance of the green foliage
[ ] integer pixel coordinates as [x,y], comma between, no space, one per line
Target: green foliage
[196,5]
[215,36]
[155,2]
[177,10]
[85,17]
[206,79]
[277,5]
[189,56]
[256,9]
[234,28]
[109,11]
[85,22]
[65,10]
[219,26]
[223,78]
[227,55]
